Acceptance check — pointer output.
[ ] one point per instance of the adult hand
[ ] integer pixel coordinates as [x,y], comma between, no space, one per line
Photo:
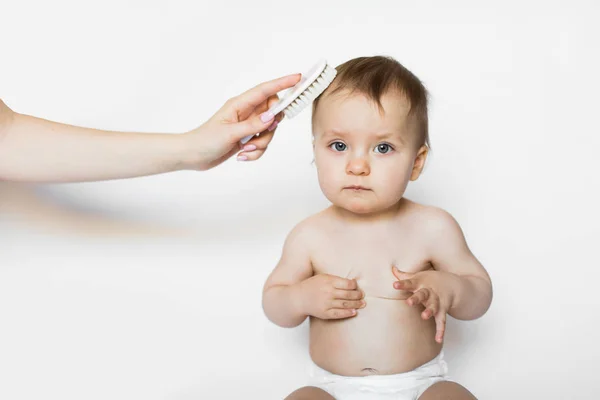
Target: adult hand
[219,138]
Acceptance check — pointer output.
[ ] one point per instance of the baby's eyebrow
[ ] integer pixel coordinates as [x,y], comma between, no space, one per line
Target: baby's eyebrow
[385,135]
[377,136]
[333,132]
[390,135]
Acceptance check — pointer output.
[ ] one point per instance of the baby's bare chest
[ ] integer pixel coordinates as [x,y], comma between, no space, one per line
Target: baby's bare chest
[368,257]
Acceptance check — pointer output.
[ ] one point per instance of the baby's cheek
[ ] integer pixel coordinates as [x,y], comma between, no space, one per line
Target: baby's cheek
[396,184]
[327,182]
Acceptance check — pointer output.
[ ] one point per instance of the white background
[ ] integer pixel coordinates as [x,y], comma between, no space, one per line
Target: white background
[92,309]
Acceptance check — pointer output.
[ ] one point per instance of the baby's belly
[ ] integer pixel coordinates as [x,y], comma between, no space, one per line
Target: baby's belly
[386,337]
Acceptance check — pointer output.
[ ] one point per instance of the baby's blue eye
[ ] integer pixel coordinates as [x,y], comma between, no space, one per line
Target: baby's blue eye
[338,146]
[383,148]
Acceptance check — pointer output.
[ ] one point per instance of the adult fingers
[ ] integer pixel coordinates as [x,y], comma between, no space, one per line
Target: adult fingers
[261,141]
[262,92]
[250,126]
[250,156]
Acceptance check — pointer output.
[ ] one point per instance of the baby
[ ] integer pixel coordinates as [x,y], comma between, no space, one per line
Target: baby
[375,272]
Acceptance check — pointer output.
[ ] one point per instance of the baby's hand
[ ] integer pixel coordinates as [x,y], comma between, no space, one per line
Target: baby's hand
[433,289]
[329,297]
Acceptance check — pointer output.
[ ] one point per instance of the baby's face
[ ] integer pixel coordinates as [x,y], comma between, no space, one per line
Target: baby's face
[365,158]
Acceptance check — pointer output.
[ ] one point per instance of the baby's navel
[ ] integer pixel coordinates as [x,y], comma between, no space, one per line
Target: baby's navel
[370,371]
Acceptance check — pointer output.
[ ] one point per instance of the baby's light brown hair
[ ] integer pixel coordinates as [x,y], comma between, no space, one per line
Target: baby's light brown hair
[376,76]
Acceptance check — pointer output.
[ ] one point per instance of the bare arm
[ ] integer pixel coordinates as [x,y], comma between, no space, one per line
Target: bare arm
[450,253]
[281,301]
[293,292]
[36,150]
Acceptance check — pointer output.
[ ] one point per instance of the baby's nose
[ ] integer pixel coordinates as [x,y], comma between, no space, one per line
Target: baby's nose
[358,166]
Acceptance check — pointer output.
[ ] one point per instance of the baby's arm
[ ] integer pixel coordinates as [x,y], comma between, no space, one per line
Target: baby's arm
[291,292]
[450,253]
[280,301]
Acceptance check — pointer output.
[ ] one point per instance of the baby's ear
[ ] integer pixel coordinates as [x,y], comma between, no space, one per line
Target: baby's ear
[419,163]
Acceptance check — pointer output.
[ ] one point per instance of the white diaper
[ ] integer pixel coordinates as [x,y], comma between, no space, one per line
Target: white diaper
[405,386]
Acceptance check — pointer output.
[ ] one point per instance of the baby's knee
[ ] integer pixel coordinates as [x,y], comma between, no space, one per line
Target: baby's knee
[447,390]
[309,393]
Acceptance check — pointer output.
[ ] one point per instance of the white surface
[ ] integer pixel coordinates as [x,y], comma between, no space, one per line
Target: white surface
[514,129]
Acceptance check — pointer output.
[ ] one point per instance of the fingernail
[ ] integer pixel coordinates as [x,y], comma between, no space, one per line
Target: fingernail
[363,304]
[267,116]
[249,147]
[353,312]
[242,158]
[273,126]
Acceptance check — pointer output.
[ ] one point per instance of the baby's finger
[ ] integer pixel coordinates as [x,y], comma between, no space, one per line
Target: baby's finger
[348,304]
[407,284]
[431,307]
[440,326]
[419,297]
[339,313]
[250,156]
[348,294]
[401,275]
[346,284]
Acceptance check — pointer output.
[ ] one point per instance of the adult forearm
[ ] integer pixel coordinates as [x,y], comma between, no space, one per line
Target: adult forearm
[282,307]
[37,150]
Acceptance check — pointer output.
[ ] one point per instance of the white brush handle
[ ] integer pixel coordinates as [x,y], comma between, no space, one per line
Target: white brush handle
[246,139]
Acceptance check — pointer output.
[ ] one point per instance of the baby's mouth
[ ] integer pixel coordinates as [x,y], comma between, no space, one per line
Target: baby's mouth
[356,188]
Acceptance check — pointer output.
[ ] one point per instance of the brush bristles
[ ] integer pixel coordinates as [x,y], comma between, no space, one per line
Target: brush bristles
[311,92]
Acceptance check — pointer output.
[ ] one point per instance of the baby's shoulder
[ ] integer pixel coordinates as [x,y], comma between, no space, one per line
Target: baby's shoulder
[431,220]
[308,229]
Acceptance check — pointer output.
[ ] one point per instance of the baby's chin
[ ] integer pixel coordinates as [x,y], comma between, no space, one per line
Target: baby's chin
[361,206]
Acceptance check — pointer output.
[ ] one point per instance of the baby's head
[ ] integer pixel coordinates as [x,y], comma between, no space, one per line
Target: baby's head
[370,134]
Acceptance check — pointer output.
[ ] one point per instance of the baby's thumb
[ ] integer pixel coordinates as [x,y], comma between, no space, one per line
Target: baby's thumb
[400,274]
[254,125]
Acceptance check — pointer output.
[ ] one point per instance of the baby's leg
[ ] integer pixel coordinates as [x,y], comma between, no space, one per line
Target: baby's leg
[447,391]
[309,393]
